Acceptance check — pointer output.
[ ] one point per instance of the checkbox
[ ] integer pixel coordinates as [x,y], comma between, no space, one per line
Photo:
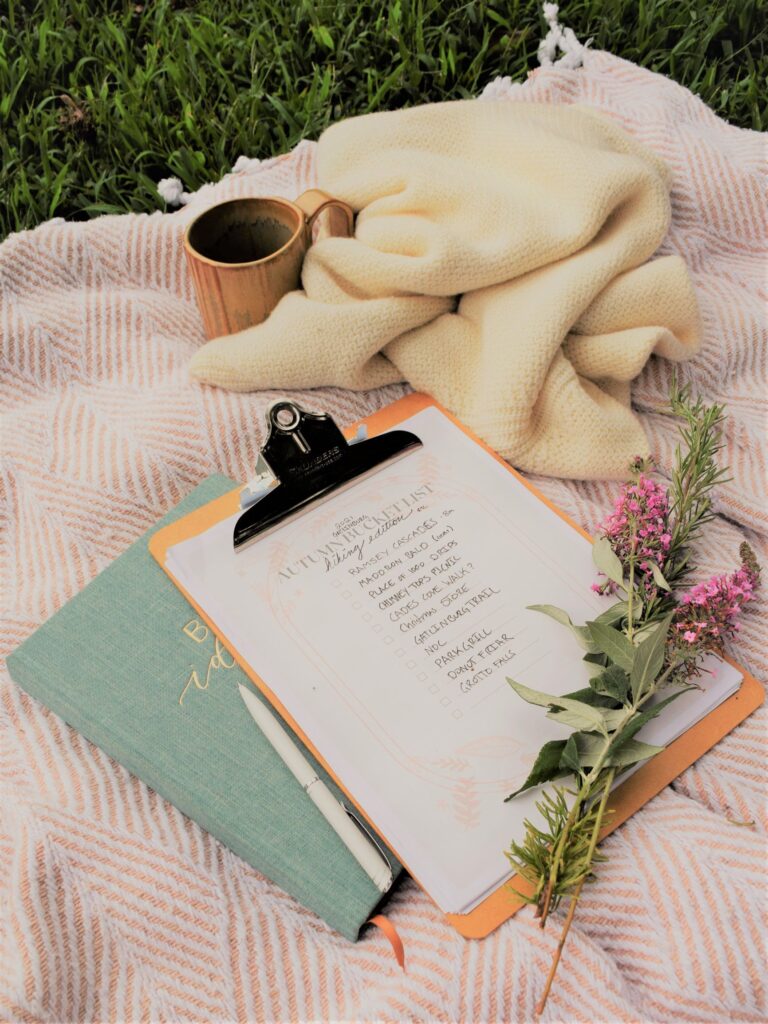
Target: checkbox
[457,713]
[410,664]
[377,628]
[356,605]
[346,593]
[336,583]
[422,676]
[367,616]
[434,688]
[400,652]
[388,640]
[445,701]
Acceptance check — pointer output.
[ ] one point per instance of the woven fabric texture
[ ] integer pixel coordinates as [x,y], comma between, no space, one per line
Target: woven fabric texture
[113,905]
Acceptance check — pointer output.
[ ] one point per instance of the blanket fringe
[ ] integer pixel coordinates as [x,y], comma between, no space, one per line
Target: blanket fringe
[562,39]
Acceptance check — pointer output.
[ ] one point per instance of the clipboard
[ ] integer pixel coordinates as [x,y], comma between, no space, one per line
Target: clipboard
[270,511]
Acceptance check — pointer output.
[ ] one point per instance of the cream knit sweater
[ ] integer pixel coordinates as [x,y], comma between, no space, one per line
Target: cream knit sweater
[499,264]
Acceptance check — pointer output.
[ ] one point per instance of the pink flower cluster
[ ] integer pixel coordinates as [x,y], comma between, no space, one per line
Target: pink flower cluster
[707,615]
[639,525]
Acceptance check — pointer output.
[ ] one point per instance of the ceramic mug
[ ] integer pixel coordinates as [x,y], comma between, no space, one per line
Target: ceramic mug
[246,254]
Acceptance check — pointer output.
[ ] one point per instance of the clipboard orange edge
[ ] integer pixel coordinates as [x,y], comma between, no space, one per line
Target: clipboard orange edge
[627,798]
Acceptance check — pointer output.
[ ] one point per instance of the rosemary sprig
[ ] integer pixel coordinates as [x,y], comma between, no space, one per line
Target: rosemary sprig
[695,474]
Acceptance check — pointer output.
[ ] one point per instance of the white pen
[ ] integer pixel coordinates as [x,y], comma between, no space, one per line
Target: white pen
[359,845]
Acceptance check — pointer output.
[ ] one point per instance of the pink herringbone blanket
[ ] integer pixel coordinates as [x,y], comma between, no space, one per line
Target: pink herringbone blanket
[113,906]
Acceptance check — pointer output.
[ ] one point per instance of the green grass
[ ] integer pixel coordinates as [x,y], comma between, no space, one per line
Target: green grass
[99,99]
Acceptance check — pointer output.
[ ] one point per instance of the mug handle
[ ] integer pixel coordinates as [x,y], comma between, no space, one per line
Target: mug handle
[314,201]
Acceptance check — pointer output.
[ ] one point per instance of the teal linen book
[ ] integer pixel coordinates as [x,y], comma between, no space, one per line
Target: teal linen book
[127,663]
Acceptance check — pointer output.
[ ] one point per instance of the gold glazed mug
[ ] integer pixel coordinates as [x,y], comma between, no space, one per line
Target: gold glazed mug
[246,254]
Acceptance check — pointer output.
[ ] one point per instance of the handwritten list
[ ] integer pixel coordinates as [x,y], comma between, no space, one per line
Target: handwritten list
[421,593]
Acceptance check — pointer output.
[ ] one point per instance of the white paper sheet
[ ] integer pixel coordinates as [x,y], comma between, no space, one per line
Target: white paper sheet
[387,619]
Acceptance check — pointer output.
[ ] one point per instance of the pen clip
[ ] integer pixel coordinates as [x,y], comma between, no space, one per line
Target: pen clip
[372,838]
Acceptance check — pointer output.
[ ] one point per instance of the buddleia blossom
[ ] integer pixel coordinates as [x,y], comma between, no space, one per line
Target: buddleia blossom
[639,529]
[707,615]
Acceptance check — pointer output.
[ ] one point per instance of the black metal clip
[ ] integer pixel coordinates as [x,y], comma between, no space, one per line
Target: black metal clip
[305,459]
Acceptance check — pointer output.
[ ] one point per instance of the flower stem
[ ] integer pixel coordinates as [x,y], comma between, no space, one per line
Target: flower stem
[631,590]
[577,893]
[559,951]
[611,774]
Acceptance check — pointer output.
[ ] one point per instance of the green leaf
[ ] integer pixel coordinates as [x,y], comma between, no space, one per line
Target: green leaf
[582,720]
[631,752]
[639,720]
[658,577]
[553,612]
[542,700]
[595,659]
[614,718]
[580,632]
[614,614]
[569,711]
[612,682]
[589,749]
[607,561]
[613,643]
[649,658]
[570,756]
[595,716]
[578,720]
[586,717]
[590,696]
[596,664]
[545,768]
